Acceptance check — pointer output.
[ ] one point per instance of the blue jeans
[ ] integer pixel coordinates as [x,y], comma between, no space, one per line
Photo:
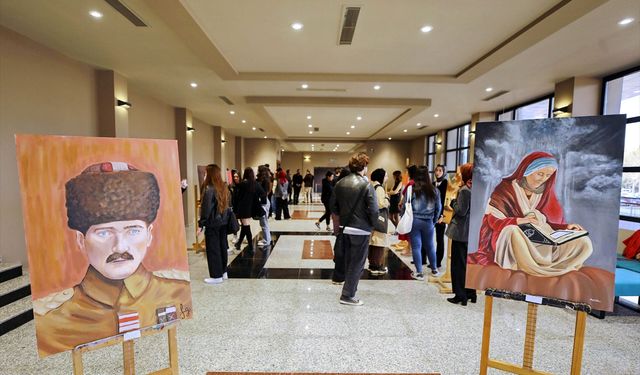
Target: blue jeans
[264,223]
[422,232]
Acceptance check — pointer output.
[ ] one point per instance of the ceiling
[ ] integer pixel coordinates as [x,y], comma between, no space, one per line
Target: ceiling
[323,146]
[246,51]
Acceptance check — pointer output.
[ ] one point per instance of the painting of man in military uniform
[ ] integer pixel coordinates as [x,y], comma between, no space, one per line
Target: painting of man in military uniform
[111,209]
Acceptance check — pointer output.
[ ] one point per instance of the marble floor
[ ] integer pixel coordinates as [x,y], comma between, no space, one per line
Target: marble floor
[274,315]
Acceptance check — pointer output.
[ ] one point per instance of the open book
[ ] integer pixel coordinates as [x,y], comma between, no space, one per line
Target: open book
[539,235]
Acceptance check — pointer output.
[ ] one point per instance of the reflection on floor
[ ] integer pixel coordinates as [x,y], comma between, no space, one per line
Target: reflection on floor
[289,246]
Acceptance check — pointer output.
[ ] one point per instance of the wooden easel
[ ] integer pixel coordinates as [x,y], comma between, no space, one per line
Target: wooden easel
[197,246]
[530,335]
[128,352]
[444,282]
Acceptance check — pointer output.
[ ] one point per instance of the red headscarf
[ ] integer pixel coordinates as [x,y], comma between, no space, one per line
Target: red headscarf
[504,199]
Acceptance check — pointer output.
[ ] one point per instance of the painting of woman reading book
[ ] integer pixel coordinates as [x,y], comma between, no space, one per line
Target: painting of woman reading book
[545,208]
[523,208]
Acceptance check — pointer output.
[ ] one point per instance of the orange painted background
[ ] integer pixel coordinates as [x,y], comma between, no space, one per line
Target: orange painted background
[46,163]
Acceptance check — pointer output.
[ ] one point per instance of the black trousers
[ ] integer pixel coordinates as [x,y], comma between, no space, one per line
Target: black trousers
[296,194]
[459,270]
[338,259]
[440,242]
[356,249]
[216,242]
[327,213]
[282,205]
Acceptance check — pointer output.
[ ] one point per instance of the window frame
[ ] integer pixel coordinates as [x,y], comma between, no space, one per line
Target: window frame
[458,147]
[427,154]
[549,97]
[630,120]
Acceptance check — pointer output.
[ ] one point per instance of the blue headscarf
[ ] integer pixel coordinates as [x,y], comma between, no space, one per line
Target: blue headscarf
[539,164]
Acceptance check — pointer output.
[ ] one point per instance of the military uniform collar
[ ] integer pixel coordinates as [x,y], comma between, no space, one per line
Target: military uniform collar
[107,291]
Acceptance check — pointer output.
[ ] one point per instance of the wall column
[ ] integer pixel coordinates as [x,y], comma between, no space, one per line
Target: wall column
[217,145]
[239,164]
[577,96]
[183,119]
[113,121]
[475,119]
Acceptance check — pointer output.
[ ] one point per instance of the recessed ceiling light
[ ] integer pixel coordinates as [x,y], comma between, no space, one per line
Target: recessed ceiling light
[390,138]
[625,21]
[194,85]
[353,126]
[304,86]
[418,124]
[254,128]
[309,117]
[310,132]
[232,112]
[359,118]
[337,145]
[436,115]
[297,26]
[95,14]
[313,145]
[405,130]
[488,89]
[282,149]
[348,133]
[310,125]
[244,121]
[265,137]
[376,87]
[426,28]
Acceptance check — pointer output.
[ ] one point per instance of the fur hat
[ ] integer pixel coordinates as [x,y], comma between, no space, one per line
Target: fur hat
[111,191]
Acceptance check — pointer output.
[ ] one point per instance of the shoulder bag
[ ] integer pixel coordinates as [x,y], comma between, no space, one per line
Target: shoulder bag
[382,224]
[406,221]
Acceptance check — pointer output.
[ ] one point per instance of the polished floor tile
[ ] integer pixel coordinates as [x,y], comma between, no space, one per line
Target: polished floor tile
[317,249]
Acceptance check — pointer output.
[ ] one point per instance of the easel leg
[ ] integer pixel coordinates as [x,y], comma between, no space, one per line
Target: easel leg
[578,343]
[486,335]
[530,336]
[127,355]
[78,369]
[173,350]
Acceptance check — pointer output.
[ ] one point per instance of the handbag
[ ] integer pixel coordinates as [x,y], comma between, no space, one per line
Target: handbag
[382,224]
[257,212]
[406,221]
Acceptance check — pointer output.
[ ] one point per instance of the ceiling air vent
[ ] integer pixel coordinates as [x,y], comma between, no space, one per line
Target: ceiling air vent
[226,100]
[349,21]
[126,12]
[423,127]
[316,129]
[497,94]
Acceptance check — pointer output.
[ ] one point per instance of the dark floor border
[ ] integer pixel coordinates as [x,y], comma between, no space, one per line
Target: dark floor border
[16,321]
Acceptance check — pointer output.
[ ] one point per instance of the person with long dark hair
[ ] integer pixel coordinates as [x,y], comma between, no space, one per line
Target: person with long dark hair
[325,198]
[440,183]
[247,192]
[379,239]
[394,198]
[264,180]
[215,201]
[458,232]
[425,202]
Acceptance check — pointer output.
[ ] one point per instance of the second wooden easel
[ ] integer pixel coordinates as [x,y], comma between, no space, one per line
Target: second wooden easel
[530,335]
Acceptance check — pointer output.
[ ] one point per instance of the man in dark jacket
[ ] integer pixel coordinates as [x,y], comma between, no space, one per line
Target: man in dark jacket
[354,200]
[308,187]
[297,186]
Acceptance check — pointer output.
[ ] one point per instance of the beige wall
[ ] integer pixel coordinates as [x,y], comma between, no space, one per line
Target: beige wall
[228,151]
[259,151]
[389,155]
[41,92]
[295,160]
[150,118]
[418,151]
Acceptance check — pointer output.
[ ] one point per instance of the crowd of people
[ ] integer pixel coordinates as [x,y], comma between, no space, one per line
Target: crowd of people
[360,206]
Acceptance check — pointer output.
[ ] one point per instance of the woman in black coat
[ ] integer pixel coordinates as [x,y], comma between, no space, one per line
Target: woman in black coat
[245,196]
[327,190]
[440,182]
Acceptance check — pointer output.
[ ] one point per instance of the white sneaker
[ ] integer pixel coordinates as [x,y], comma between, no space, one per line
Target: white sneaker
[225,276]
[262,243]
[211,280]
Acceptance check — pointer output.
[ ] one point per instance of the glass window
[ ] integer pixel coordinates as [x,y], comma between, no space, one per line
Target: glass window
[452,139]
[622,96]
[431,152]
[463,156]
[451,161]
[506,116]
[533,111]
[464,136]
